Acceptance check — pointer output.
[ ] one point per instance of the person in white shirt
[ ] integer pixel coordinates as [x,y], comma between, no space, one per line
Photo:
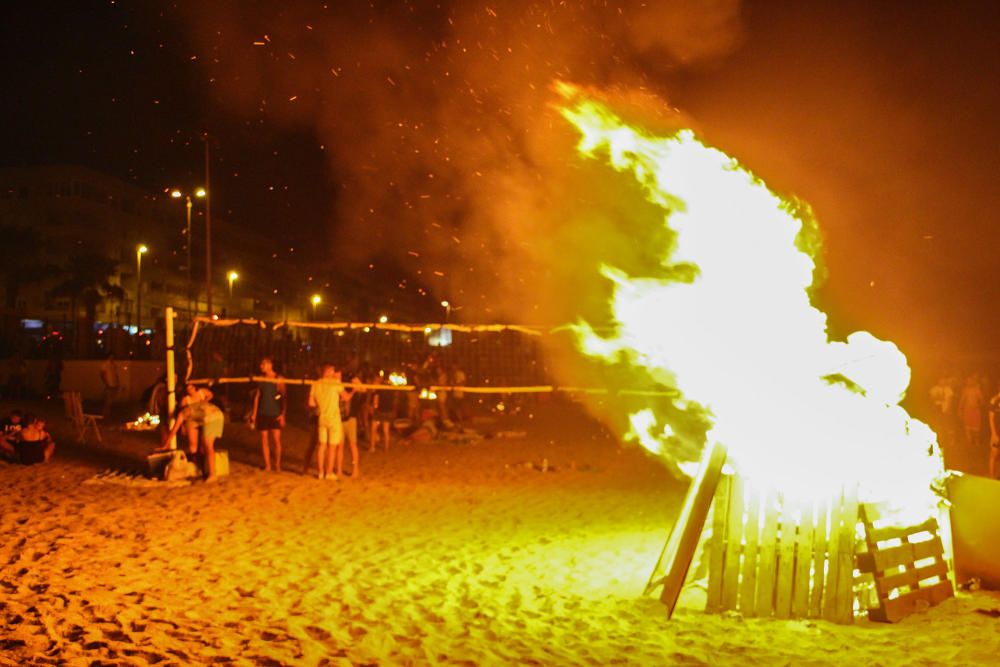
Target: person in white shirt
[324,399]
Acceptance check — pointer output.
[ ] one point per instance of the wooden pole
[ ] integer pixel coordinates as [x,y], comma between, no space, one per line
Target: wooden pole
[208,232]
[171,374]
[675,559]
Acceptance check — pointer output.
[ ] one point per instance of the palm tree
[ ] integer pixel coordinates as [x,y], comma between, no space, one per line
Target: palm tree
[87,281]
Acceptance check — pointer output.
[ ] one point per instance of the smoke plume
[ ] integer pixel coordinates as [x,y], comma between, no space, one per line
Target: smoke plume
[444,151]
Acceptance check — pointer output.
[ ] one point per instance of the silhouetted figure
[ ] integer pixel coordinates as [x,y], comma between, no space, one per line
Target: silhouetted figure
[111,382]
[268,414]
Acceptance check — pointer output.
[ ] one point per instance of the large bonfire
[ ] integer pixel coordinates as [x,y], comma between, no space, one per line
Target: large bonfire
[735,332]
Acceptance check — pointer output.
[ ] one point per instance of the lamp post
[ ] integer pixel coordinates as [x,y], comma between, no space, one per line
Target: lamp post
[208,233]
[315,300]
[200,193]
[139,252]
[232,276]
[447,310]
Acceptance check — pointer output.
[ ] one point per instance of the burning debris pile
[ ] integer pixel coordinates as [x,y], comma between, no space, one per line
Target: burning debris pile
[144,422]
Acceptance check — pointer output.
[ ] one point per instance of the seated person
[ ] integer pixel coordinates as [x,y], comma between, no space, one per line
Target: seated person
[32,444]
[11,425]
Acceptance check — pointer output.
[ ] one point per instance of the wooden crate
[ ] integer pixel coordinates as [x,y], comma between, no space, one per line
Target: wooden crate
[769,557]
[907,563]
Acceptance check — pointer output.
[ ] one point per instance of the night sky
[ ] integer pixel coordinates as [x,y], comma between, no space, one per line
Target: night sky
[419,135]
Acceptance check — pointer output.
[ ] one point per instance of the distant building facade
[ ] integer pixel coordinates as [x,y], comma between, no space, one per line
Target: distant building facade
[75,210]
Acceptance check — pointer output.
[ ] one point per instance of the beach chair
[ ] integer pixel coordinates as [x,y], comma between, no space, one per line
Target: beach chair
[81,420]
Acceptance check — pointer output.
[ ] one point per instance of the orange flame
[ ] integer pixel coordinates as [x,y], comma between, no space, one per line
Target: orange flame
[739,336]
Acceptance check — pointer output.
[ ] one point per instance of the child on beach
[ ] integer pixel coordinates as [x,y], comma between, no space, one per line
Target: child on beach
[324,399]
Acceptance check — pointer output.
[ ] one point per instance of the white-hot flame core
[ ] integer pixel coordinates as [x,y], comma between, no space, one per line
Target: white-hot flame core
[796,411]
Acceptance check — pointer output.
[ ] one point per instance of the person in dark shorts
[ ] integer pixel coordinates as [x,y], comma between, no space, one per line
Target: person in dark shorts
[351,404]
[383,414]
[268,414]
[32,444]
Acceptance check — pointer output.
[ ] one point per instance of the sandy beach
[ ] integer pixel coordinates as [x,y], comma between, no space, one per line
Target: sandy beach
[455,553]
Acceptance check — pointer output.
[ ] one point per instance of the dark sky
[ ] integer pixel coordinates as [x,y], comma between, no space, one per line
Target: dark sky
[416,132]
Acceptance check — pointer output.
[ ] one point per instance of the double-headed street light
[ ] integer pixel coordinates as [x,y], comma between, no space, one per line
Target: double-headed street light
[140,250]
[200,193]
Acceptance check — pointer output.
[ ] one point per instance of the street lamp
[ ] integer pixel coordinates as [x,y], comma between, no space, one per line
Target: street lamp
[315,301]
[447,310]
[139,252]
[231,277]
[177,194]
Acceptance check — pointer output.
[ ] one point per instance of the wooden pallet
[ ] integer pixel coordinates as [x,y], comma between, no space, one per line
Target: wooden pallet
[908,565]
[768,557]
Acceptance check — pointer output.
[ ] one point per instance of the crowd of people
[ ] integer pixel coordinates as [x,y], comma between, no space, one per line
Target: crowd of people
[24,439]
[967,415]
[346,405]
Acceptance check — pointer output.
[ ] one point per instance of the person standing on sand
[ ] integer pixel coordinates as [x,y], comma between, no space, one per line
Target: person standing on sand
[324,399]
[943,396]
[111,382]
[352,401]
[970,409]
[268,414]
[383,403]
[193,398]
[457,402]
[994,435]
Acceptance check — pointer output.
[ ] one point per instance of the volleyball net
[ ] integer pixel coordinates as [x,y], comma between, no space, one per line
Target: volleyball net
[478,359]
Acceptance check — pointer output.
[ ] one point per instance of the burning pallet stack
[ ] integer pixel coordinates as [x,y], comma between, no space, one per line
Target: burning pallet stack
[769,557]
[907,563]
[772,558]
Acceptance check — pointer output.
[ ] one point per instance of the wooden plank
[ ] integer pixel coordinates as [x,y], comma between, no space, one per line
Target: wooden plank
[833,559]
[803,562]
[751,533]
[686,534]
[844,603]
[878,535]
[734,545]
[912,577]
[768,560]
[786,560]
[884,559]
[819,560]
[717,545]
[901,607]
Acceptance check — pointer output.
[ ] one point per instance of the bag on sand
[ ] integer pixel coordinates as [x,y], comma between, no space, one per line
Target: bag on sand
[179,467]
